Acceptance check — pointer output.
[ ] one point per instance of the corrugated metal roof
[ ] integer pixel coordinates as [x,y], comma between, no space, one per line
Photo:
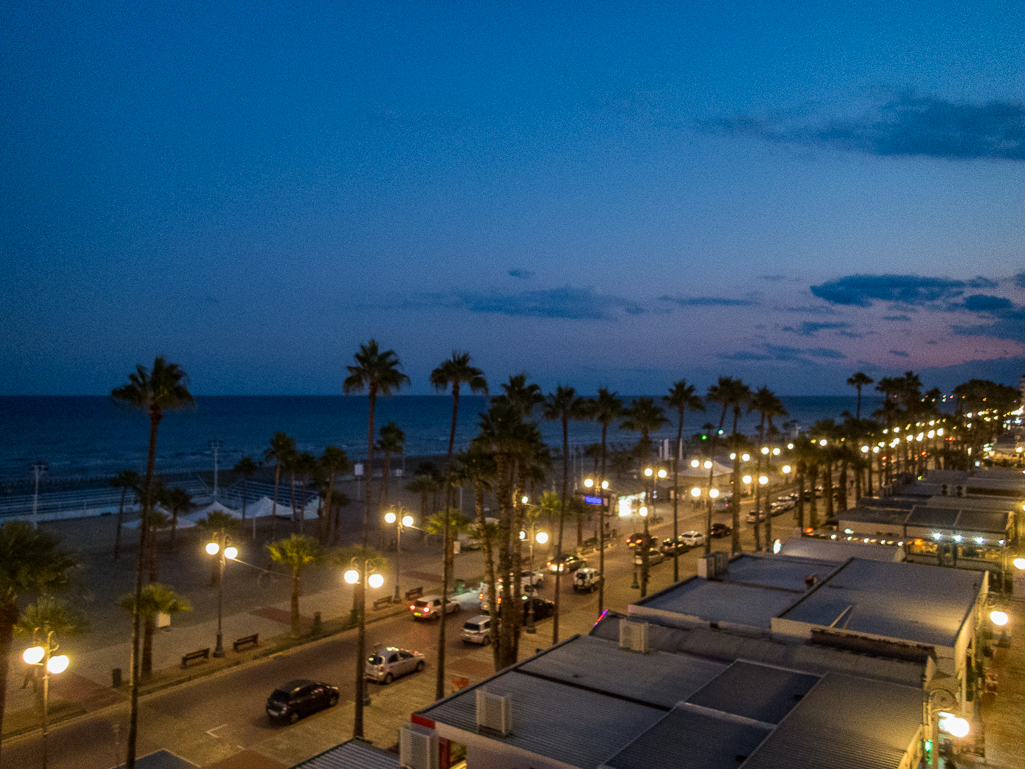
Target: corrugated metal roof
[720,645]
[566,723]
[713,601]
[688,739]
[940,517]
[759,692]
[658,678]
[906,601]
[354,754]
[844,723]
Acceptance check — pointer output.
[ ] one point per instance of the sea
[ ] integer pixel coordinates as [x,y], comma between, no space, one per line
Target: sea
[87,437]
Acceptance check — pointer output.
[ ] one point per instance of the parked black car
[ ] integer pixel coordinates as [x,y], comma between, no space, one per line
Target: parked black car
[295,699]
[543,609]
[720,530]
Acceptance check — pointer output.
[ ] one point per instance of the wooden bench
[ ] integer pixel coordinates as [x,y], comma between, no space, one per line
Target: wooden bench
[247,640]
[415,592]
[199,654]
[382,602]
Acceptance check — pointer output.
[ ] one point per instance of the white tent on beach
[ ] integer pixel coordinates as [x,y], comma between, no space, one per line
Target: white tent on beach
[184,522]
[263,507]
[202,513]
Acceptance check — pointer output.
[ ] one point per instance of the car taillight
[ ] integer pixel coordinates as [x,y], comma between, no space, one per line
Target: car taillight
[427,610]
[412,607]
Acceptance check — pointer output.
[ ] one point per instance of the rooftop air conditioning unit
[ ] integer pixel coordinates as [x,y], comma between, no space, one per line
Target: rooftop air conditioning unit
[706,566]
[722,562]
[959,491]
[945,489]
[418,747]
[494,712]
[633,636]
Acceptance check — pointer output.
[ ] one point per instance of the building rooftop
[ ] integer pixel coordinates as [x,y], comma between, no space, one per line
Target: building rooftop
[721,602]
[911,602]
[844,723]
[658,678]
[354,754]
[838,550]
[756,692]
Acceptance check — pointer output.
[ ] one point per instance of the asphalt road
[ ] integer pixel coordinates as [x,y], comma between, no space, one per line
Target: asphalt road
[228,707]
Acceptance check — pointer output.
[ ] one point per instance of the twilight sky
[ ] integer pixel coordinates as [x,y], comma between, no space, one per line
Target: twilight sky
[616,194]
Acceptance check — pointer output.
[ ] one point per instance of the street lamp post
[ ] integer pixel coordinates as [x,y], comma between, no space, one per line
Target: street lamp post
[221,548]
[955,726]
[216,446]
[360,574]
[601,486]
[37,470]
[541,537]
[43,658]
[401,522]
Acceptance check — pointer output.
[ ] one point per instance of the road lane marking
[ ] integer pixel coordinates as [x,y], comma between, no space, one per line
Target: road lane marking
[211,731]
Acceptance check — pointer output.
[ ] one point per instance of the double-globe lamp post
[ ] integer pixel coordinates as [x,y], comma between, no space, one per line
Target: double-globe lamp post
[360,575]
[43,657]
[224,551]
[401,522]
[541,537]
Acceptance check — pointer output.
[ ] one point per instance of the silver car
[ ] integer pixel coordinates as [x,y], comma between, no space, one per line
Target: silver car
[477,630]
[390,662]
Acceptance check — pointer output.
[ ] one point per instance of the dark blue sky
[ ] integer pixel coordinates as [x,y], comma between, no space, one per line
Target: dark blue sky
[597,195]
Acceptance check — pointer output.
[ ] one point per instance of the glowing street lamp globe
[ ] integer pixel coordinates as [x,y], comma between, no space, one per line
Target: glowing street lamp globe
[58,664]
[1019,563]
[708,464]
[390,517]
[696,492]
[588,482]
[714,493]
[33,655]
[231,553]
[763,479]
[542,537]
[375,580]
[998,617]
[212,548]
[407,520]
[351,576]
[746,479]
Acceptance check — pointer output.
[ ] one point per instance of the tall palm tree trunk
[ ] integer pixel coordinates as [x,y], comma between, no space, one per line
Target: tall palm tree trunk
[562,526]
[132,739]
[439,688]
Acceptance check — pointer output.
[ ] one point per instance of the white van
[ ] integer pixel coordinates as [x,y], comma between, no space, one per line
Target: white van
[477,630]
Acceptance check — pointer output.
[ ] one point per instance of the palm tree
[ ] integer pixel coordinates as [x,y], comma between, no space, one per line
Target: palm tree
[392,441]
[281,449]
[155,599]
[31,561]
[306,466]
[333,461]
[164,388]
[681,397]
[521,396]
[376,372]
[605,408]
[246,467]
[476,467]
[423,484]
[857,381]
[178,502]
[562,406]
[126,480]
[454,372]
[645,417]
[733,393]
[296,553]
[765,402]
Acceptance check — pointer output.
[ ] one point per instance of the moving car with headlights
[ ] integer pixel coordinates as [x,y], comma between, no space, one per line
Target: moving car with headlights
[485,596]
[586,580]
[670,547]
[429,607]
[295,699]
[390,662]
[640,538]
[566,562]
